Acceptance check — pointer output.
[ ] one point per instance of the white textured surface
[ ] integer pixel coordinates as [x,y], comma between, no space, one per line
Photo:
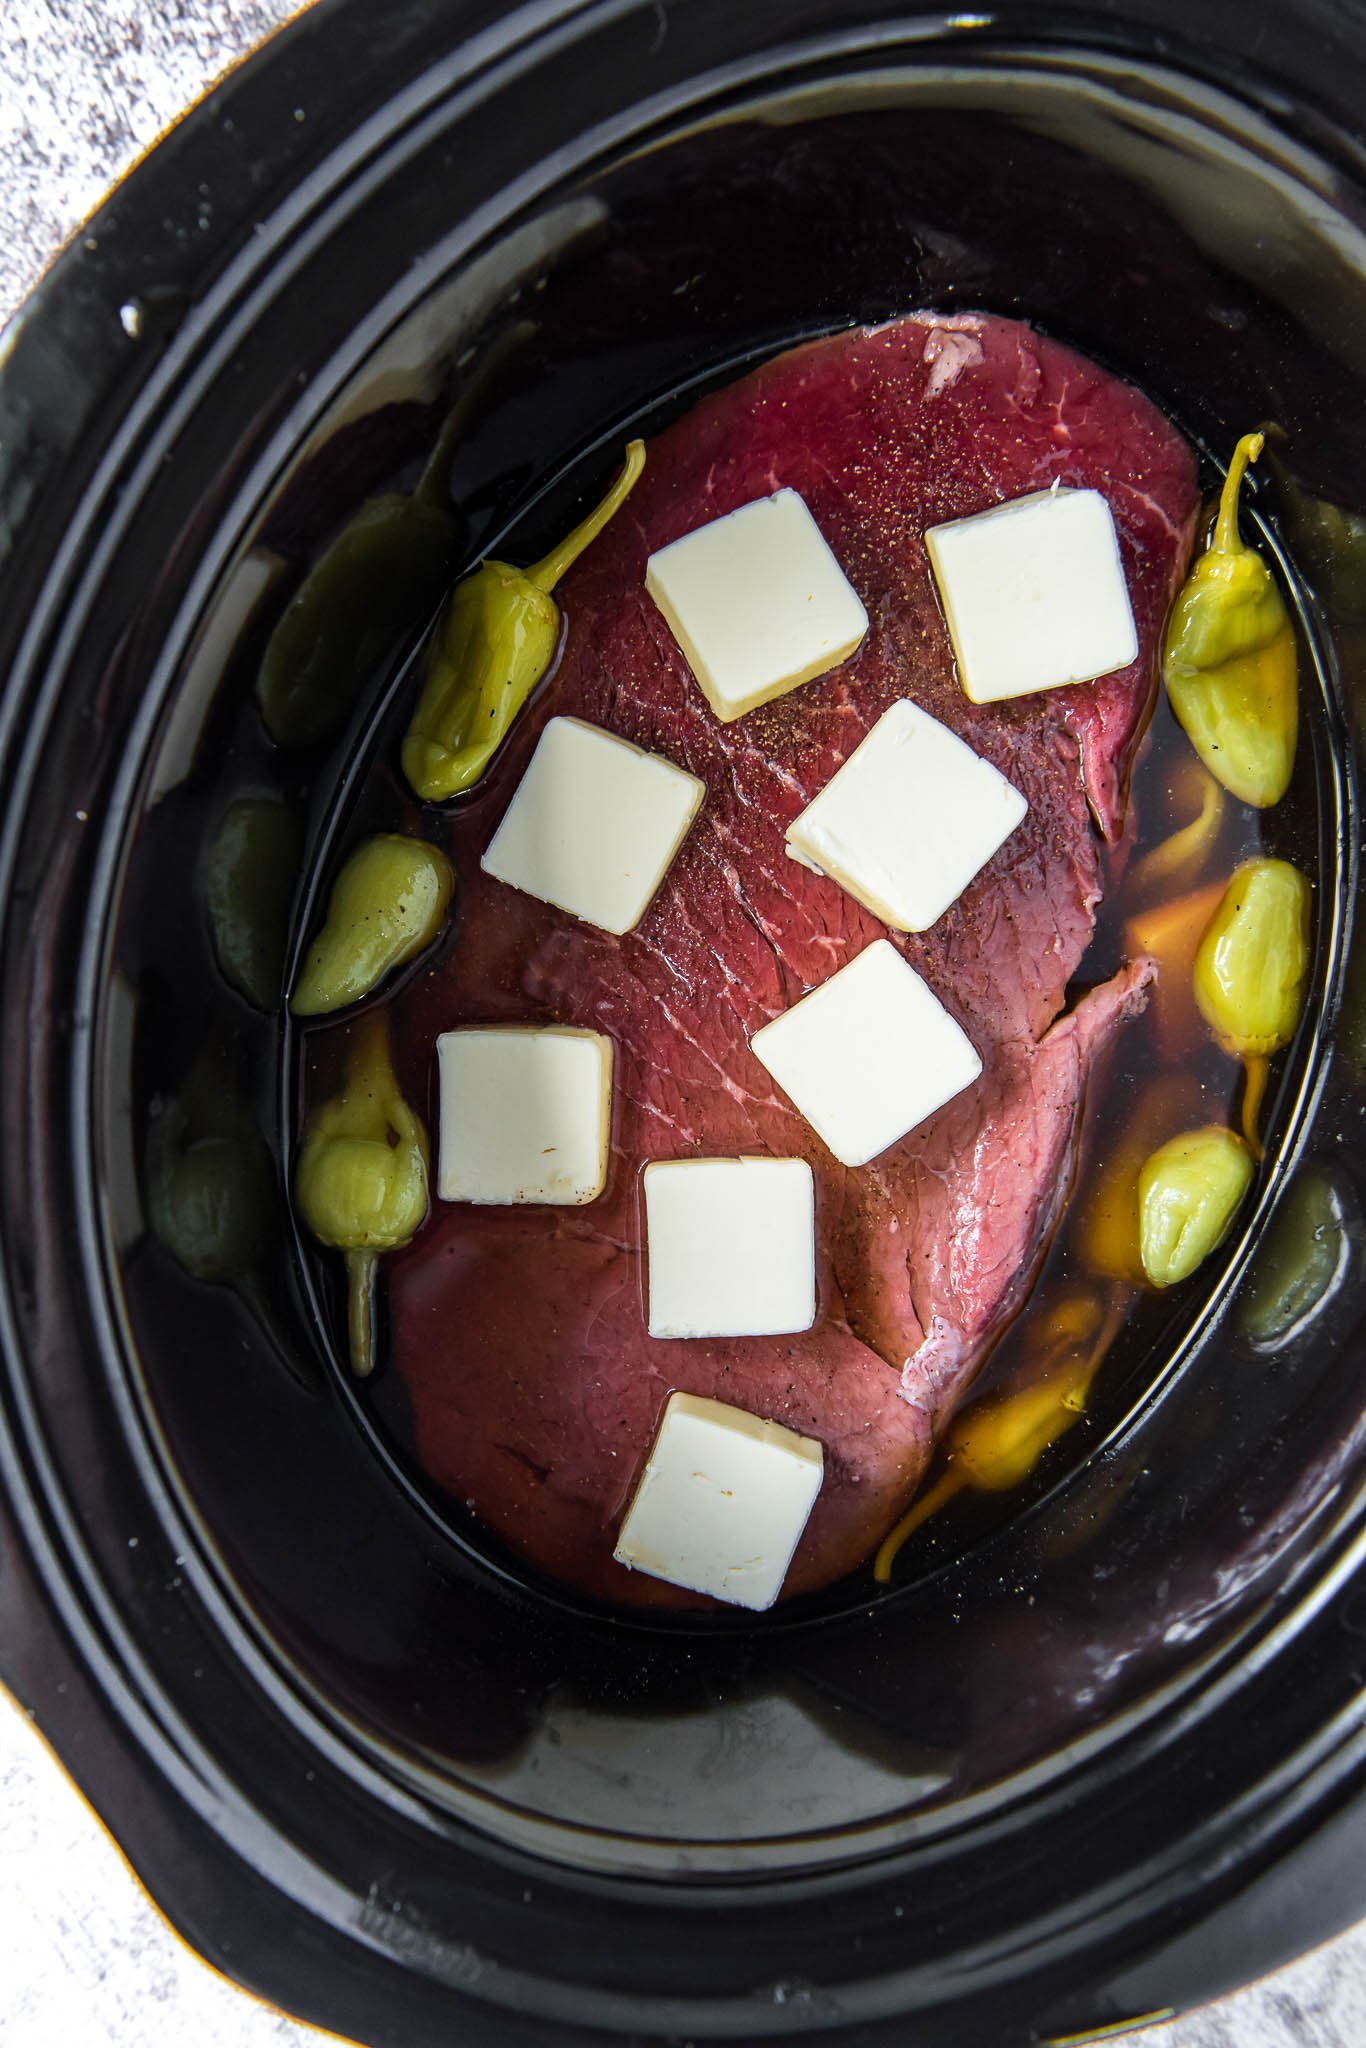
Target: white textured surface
[84,1960]
[85,86]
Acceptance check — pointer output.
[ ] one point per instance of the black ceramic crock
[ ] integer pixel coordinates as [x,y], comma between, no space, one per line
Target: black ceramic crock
[1094,1765]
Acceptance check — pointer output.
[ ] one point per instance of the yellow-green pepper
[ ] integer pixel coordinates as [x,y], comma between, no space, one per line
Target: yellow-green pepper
[376,581]
[1252,970]
[1252,965]
[249,876]
[1330,550]
[1229,658]
[386,906]
[1303,1258]
[1330,545]
[382,576]
[495,641]
[1178,859]
[996,1443]
[210,1186]
[1188,1194]
[361,1181]
[1105,1225]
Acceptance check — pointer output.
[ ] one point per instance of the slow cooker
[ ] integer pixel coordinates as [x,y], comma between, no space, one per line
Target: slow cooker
[1074,1770]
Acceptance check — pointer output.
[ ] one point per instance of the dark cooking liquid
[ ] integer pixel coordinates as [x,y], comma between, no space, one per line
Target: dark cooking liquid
[1142,1332]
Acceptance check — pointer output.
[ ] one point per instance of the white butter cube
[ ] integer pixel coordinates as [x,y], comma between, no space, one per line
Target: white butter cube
[908,820]
[1034,594]
[757,602]
[868,1055]
[594,825]
[525,1114]
[731,1247]
[722,1502]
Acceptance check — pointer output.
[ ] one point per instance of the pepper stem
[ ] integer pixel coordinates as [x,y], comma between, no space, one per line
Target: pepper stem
[1226,537]
[945,1487]
[1077,1395]
[546,573]
[1182,849]
[361,1267]
[1256,1071]
[433,487]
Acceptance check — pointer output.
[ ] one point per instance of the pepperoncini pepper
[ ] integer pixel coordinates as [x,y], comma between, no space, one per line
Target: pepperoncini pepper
[361,1182]
[382,575]
[1179,858]
[996,1443]
[249,875]
[495,641]
[209,1180]
[1229,658]
[1330,542]
[1106,1224]
[1188,1194]
[1170,933]
[1302,1262]
[378,579]
[386,905]
[1252,968]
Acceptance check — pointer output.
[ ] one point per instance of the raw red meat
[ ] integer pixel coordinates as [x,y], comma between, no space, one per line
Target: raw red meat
[520,1333]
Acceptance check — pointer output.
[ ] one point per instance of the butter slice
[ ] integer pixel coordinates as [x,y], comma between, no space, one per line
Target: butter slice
[909,820]
[722,1502]
[594,825]
[868,1055]
[731,1247]
[1034,594]
[757,602]
[525,1114]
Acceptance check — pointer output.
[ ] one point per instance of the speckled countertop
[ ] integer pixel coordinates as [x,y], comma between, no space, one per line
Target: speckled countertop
[85,87]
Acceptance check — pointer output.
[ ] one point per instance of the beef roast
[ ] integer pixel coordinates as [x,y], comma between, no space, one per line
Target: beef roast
[520,1332]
